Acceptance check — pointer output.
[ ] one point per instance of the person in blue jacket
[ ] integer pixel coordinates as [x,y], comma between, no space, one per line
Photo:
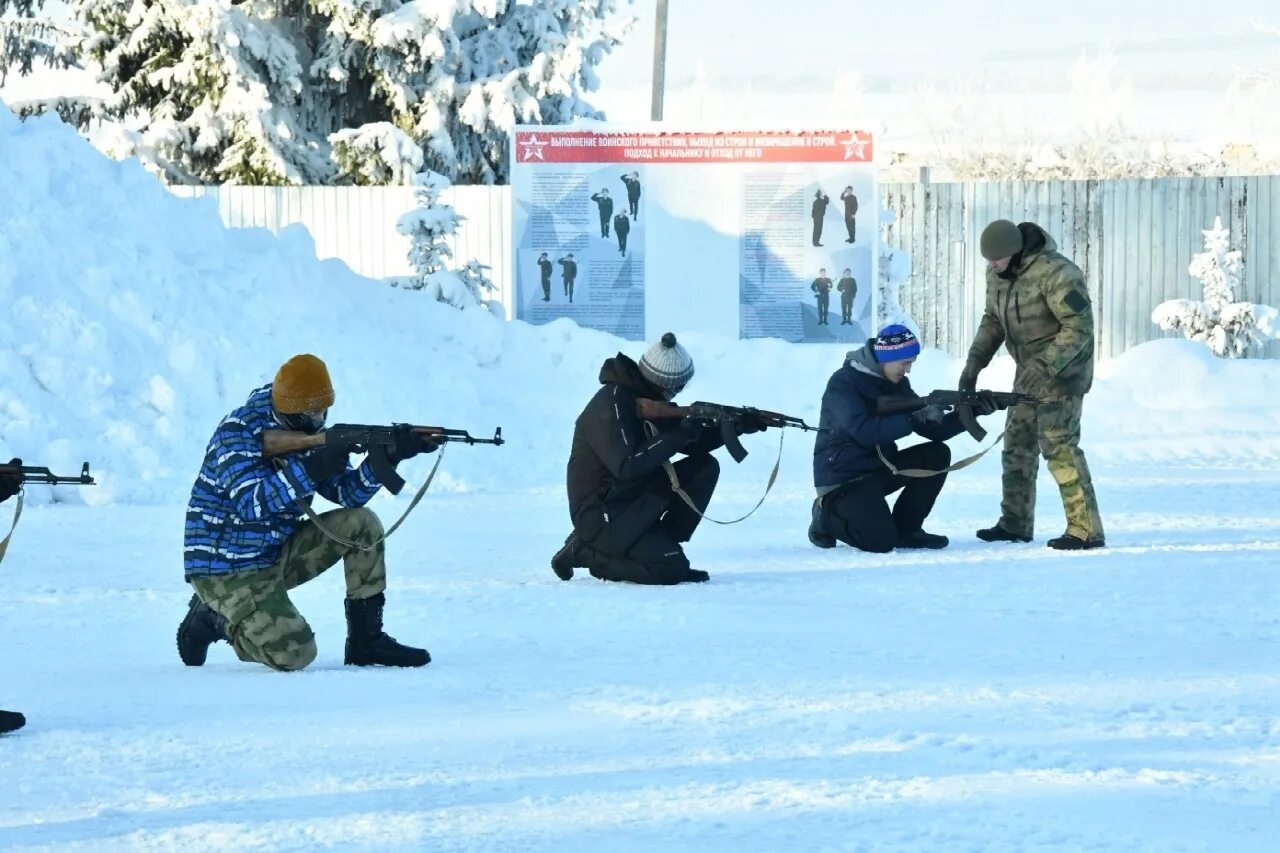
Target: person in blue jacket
[851,479]
[248,540]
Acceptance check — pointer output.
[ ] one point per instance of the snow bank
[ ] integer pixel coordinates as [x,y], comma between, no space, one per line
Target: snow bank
[134,321]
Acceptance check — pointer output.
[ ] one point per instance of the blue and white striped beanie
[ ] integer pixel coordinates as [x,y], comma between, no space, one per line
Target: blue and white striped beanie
[895,343]
[667,364]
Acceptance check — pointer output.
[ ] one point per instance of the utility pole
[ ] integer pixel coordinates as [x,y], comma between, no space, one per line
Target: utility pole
[659,60]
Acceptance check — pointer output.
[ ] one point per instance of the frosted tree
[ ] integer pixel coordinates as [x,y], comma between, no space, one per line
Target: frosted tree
[28,39]
[1226,325]
[309,91]
[429,228]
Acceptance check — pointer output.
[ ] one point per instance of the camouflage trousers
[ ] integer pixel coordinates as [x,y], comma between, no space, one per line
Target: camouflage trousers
[1054,430]
[262,623]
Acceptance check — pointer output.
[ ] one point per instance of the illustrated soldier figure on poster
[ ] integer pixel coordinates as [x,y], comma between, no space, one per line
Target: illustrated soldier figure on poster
[569,271]
[632,183]
[622,227]
[818,212]
[821,288]
[848,288]
[850,213]
[605,205]
[544,272]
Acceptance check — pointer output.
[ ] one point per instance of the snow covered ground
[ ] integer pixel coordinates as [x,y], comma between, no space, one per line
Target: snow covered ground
[982,697]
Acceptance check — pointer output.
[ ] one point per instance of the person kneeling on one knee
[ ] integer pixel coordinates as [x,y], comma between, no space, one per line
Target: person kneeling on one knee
[629,524]
[247,541]
[851,479]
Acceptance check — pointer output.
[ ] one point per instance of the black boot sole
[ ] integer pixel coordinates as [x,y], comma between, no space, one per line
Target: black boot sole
[1003,537]
[364,659]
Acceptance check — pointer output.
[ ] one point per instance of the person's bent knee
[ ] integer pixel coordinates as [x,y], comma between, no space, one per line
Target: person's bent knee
[939,454]
[291,658]
[876,543]
[363,519]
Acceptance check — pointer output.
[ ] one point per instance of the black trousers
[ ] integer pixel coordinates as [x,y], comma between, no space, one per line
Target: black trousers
[546,289]
[604,225]
[851,225]
[635,207]
[641,543]
[846,308]
[568,287]
[622,243]
[824,308]
[858,514]
[817,230]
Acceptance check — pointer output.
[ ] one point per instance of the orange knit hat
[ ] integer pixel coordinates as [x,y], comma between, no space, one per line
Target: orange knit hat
[302,385]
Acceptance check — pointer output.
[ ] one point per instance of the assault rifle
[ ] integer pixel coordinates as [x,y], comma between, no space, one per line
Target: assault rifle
[728,417]
[963,401]
[376,441]
[33,474]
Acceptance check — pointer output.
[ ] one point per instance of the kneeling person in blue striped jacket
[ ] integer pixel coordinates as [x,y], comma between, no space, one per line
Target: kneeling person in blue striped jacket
[247,542]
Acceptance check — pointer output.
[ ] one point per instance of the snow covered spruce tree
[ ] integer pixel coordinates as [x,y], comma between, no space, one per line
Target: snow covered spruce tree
[305,91]
[429,228]
[1228,326]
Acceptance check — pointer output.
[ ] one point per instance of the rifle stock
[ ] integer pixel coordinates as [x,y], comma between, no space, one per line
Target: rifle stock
[278,442]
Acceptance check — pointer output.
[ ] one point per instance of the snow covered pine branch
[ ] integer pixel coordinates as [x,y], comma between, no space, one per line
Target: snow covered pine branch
[1229,327]
[273,92]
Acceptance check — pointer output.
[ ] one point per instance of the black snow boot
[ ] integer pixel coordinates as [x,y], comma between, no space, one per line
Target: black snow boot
[568,558]
[1070,542]
[368,644]
[817,535]
[697,576]
[920,539]
[201,627]
[11,721]
[996,533]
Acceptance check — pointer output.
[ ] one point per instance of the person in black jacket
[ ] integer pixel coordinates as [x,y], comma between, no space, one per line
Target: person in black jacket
[544,272]
[628,521]
[818,211]
[850,213]
[605,206]
[632,183]
[10,485]
[851,479]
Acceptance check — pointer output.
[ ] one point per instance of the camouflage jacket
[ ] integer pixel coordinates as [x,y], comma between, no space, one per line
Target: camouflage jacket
[1044,317]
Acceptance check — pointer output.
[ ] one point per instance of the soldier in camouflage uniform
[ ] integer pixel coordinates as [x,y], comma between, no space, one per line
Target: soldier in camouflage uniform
[247,545]
[1038,306]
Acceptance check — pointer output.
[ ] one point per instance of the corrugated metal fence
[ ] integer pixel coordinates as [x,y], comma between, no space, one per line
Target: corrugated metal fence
[1134,239]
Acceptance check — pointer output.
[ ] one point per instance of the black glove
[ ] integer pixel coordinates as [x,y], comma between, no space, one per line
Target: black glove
[410,443]
[928,415]
[324,464]
[11,484]
[969,376]
[750,423]
[986,404]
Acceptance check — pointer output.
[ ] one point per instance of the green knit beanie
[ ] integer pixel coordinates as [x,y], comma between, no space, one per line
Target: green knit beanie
[1001,239]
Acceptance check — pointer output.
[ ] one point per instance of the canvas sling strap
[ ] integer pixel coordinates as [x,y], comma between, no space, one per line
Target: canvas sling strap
[652,431]
[358,546]
[926,472]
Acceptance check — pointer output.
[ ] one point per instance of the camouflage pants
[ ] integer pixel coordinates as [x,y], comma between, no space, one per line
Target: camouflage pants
[1053,429]
[262,623]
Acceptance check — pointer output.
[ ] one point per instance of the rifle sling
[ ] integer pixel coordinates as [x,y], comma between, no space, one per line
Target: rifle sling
[925,472]
[684,496]
[17,513]
[315,518]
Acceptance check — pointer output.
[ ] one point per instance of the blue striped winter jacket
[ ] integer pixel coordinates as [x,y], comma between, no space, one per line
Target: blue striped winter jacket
[243,507]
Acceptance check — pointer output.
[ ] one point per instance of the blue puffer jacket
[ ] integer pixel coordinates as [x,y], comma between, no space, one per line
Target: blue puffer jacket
[847,447]
[243,507]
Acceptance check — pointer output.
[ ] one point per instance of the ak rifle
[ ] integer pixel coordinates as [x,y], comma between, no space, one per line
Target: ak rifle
[36,474]
[728,417]
[961,401]
[376,441]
